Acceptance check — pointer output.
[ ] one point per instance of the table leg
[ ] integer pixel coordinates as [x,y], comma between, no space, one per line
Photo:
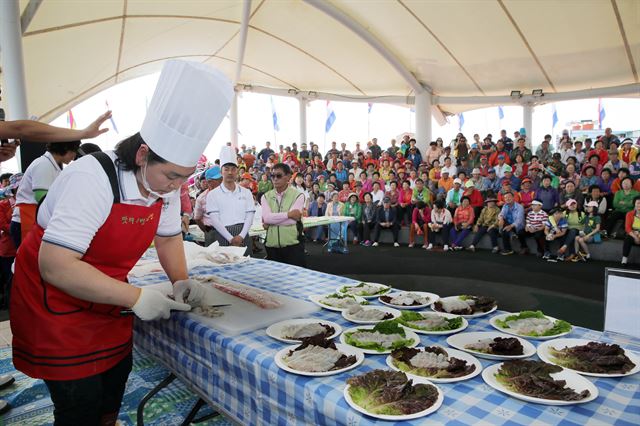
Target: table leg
[163,384]
[192,414]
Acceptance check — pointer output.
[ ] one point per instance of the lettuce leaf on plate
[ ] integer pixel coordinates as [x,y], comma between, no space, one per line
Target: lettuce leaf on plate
[594,357]
[559,326]
[390,393]
[409,317]
[533,378]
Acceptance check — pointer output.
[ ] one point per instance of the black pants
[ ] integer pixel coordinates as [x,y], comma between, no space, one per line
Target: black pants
[612,219]
[91,400]
[15,231]
[628,243]
[394,228]
[366,230]
[443,234]
[493,235]
[356,229]
[506,238]
[291,255]
[537,236]
[6,277]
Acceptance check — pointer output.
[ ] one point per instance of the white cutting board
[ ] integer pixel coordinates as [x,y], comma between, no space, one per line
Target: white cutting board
[243,316]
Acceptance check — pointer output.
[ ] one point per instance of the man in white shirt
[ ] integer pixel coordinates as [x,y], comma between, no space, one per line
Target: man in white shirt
[36,182]
[230,207]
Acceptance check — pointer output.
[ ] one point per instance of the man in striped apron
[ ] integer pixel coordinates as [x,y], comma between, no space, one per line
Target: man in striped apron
[230,207]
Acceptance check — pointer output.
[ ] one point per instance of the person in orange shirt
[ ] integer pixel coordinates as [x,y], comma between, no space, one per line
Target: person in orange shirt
[493,159]
[616,185]
[446,182]
[463,220]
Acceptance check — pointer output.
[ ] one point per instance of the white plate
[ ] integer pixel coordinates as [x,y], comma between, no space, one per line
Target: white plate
[419,414]
[501,317]
[275,330]
[408,335]
[316,299]
[459,341]
[373,296]
[394,312]
[574,381]
[452,353]
[543,353]
[479,314]
[432,297]
[345,349]
[465,324]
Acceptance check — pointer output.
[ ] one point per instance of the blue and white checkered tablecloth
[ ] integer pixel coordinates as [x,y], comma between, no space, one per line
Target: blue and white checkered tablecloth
[239,374]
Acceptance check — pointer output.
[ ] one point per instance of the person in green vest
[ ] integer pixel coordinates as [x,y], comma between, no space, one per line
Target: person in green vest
[282,217]
[353,208]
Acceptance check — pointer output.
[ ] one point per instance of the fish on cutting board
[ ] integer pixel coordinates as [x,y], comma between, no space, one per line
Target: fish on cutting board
[261,298]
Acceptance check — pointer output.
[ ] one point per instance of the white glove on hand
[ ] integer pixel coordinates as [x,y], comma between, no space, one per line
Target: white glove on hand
[152,305]
[189,291]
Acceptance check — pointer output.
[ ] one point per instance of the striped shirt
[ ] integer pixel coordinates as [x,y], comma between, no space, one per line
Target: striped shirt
[536,220]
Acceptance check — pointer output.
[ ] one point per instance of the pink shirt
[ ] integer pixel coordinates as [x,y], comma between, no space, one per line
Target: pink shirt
[201,207]
[271,218]
[185,202]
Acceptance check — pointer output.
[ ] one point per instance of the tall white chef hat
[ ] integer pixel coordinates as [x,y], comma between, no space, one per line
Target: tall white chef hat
[188,105]
[228,156]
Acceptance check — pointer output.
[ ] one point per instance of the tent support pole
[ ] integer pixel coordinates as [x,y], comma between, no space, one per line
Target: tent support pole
[423,121]
[302,103]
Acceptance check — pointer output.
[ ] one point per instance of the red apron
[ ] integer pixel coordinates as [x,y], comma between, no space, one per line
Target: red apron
[59,337]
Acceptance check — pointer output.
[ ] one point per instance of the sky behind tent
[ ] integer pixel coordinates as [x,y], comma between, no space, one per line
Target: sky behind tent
[353,121]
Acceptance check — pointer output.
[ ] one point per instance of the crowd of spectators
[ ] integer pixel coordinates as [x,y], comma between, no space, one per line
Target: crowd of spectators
[564,195]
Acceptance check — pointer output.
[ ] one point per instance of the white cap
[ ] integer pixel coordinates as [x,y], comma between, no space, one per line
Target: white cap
[188,105]
[536,202]
[592,204]
[457,180]
[228,156]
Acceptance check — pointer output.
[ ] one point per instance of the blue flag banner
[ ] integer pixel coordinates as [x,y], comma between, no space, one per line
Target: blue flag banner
[274,115]
[500,113]
[554,117]
[460,121]
[331,117]
[370,106]
[601,113]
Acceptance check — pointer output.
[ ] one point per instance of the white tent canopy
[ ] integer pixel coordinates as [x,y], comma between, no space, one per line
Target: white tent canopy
[467,53]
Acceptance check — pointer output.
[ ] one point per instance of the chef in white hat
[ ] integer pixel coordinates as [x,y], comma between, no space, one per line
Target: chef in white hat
[70,301]
[230,207]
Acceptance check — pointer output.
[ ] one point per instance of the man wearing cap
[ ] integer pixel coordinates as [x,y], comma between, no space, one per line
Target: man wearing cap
[527,194]
[509,176]
[213,180]
[534,228]
[487,223]
[386,219]
[454,195]
[282,214]
[230,207]
[99,217]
